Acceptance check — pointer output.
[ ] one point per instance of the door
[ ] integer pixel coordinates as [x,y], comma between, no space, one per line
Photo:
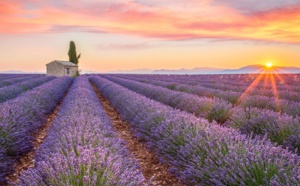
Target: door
[67,71]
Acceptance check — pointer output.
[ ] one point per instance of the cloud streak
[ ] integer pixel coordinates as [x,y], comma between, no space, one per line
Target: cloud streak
[269,21]
[124,46]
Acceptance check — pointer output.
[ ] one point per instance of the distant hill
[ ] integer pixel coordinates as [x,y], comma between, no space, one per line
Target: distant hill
[19,72]
[256,69]
[137,71]
[251,69]
[200,70]
[203,70]
[292,70]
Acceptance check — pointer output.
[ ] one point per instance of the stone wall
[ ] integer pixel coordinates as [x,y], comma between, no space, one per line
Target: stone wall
[57,69]
[72,71]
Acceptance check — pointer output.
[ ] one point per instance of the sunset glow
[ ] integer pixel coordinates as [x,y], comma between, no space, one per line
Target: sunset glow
[142,34]
[269,65]
[268,76]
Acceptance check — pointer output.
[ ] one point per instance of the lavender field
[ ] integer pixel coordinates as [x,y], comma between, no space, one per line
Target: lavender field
[194,129]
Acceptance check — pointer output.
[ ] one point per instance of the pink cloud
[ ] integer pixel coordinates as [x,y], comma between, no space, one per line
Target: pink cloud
[286,13]
[204,19]
[252,6]
[8,8]
[124,46]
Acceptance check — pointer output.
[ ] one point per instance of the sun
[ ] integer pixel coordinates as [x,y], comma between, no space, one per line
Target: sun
[269,65]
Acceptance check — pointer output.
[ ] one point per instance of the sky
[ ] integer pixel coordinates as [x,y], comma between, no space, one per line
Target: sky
[116,35]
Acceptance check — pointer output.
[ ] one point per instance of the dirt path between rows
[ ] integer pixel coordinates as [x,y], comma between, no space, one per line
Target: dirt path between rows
[28,160]
[150,166]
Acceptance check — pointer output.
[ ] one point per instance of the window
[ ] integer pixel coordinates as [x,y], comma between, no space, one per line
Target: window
[68,71]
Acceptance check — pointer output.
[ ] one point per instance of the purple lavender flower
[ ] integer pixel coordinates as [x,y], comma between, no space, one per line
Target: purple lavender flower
[21,116]
[82,148]
[202,153]
[12,91]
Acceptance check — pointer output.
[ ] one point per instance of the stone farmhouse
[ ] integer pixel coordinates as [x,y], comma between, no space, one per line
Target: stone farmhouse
[61,68]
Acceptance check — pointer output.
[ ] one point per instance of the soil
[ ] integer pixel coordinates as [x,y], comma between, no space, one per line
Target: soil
[27,160]
[154,172]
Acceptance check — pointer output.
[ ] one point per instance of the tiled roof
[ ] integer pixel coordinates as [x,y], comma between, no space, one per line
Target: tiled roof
[66,63]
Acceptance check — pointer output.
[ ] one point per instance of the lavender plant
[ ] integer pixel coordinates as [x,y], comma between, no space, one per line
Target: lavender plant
[21,116]
[278,127]
[286,103]
[82,148]
[209,108]
[17,79]
[202,153]
[293,141]
[10,76]
[12,91]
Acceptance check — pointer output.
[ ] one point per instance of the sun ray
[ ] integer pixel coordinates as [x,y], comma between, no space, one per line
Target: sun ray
[275,93]
[281,79]
[250,87]
[266,77]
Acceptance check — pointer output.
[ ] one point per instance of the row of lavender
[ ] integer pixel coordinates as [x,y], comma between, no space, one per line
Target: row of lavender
[81,147]
[236,87]
[202,153]
[11,81]
[240,79]
[12,91]
[9,76]
[263,81]
[22,116]
[280,128]
[284,91]
[262,85]
[244,100]
[209,108]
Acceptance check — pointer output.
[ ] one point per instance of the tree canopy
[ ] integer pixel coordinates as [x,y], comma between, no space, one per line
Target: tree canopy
[73,54]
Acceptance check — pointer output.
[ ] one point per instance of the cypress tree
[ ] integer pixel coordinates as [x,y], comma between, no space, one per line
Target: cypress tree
[72,53]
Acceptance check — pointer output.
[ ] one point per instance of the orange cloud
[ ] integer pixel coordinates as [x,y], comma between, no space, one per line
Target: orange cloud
[7,8]
[163,22]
